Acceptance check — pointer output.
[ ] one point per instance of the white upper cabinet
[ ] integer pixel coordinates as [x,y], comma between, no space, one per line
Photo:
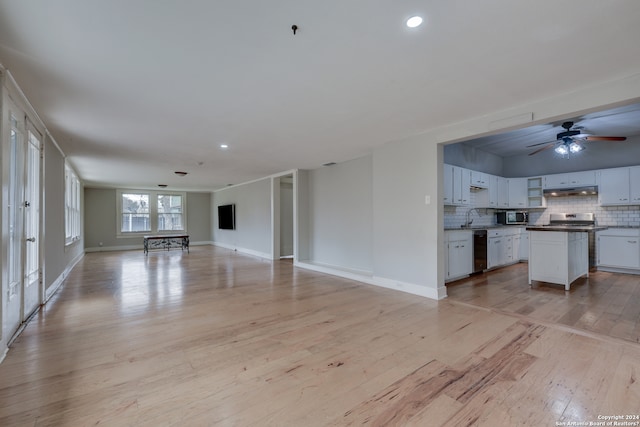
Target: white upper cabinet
[487,198]
[492,191]
[616,186]
[461,186]
[448,184]
[634,185]
[582,178]
[556,181]
[457,183]
[573,179]
[517,191]
[503,193]
[613,186]
[479,179]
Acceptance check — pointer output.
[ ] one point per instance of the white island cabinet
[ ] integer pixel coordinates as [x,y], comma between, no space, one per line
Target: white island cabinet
[558,256]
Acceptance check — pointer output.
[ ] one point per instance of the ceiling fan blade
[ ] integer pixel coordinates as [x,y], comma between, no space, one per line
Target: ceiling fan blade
[541,143]
[606,138]
[542,149]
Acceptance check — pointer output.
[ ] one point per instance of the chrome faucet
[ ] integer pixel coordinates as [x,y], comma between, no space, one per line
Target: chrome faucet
[469,221]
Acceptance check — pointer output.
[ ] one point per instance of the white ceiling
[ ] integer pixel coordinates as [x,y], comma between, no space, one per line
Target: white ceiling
[135,90]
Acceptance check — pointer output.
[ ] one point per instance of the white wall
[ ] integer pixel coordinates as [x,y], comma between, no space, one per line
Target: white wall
[301,214]
[58,257]
[101,220]
[472,158]
[253,218]
[407,230]
[340,215]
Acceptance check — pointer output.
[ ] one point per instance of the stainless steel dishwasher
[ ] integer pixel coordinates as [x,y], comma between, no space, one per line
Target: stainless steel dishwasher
[479,251]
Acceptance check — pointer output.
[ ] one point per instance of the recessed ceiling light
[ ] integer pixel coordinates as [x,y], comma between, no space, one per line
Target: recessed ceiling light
[414,21]
[223,146]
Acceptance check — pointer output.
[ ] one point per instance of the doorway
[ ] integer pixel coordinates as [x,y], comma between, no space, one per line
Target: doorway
[23,292]
[286,216]
[282,216]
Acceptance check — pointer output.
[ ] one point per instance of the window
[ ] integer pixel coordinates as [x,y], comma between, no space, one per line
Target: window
[144,212]
[71,206]
[169,212]
[135,213]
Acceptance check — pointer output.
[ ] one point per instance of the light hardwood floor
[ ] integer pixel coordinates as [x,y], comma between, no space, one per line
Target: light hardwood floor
[604,303]
[218,338]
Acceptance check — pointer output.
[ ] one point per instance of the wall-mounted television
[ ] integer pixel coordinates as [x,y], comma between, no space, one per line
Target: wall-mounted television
[227,217]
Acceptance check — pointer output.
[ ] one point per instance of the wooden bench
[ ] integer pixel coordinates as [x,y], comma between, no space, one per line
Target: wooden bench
[166,241]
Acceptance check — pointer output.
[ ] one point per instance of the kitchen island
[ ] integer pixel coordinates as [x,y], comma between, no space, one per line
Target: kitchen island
[557,255]
[559,252]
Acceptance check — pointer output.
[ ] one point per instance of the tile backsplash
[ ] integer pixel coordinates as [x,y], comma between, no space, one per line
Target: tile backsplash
[612,216]
[455,216]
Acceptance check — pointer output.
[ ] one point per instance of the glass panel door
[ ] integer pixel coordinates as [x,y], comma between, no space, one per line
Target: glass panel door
[32,224]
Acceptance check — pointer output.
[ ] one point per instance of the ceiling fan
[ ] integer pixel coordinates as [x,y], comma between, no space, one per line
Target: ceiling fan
[570,141]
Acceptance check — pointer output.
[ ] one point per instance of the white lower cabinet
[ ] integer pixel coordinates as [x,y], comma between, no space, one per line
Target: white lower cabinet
[459,254]
[516,243]
[503,246]
[524,245]
[618,249]
[494,251]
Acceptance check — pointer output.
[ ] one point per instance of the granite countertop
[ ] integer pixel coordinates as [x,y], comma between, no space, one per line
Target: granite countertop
[567,228]
[484,227]
[545,227]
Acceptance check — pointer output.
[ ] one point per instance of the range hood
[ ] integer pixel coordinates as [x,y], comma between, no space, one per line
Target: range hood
[574,191]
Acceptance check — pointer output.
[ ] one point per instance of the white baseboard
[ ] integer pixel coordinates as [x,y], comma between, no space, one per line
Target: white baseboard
[412,288]
[359,275]
[114,248]
[368,278]
[135,247]
[618,270]
[4,354]
[246,251]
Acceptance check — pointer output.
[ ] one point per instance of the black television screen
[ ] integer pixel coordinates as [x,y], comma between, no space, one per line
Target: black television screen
[227,217]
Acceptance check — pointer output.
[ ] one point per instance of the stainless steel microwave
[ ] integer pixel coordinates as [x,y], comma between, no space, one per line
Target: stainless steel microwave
[512,217]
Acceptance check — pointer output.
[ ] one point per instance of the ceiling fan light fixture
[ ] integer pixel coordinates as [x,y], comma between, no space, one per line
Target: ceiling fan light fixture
[574,147]
[562,149]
